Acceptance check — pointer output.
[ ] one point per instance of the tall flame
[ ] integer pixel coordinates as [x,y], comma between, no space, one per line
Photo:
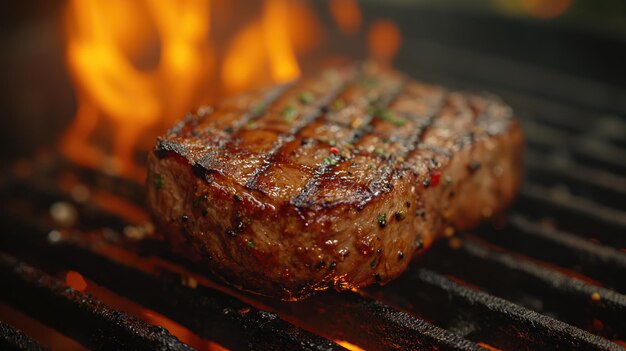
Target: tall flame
[140,65]
[110,46]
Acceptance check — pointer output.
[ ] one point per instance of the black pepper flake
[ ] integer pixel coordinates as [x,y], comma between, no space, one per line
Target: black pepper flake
[426,183]
[205,212]
[400,215]
[333,264]
[408,204]
[377,277]
[473,166]
[232,233]
[237,198]
[400,255]
[199,170]
[379,251]
[228,130]
[419,243]
[382,220]
[320,264]
[421,213]
[184,218]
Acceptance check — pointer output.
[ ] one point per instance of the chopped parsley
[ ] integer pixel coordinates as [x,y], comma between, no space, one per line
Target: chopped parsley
[375,260]
[331,160]
[338,104]
[382,220]
[290,113]
[257,110]
[306,97]
[251,125]
[250,244]
[386,115]
[158,182]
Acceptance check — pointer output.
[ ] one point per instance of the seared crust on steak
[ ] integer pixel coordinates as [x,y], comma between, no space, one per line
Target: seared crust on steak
[332,181]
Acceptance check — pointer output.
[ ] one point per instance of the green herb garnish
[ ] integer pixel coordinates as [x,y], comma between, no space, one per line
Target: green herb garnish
[382,220]
[331,160]
[338,104]
[289,113]
[158,182]
[306,97]
[257,110]
[251,125]
[375,260]
[390,117]
[250,244]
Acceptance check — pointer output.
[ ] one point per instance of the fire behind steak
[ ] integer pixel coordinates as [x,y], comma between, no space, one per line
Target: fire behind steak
[337,180]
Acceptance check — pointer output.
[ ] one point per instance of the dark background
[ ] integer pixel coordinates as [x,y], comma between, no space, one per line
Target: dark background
[577,58]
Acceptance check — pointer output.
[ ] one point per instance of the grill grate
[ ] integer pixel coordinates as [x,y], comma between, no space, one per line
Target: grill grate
[550,276]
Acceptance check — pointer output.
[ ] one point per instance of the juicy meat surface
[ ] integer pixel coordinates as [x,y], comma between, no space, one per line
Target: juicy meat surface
[336,180]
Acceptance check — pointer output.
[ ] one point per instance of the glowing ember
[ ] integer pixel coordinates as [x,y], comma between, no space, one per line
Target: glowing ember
[349,346]
[75,280]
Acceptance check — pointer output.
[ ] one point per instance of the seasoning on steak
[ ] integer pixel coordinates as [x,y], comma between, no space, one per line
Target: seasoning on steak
[337,180]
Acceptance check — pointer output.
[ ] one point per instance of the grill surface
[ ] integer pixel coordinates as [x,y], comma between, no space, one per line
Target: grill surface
[548,276]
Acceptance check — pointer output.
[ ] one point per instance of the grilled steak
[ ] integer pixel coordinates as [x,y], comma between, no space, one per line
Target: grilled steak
[332,181]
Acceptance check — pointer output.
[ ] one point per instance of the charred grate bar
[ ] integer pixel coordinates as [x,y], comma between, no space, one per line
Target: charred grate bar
[499,322]
[78,315]
[13,339]
[207,312]
[234,324]
[477,263]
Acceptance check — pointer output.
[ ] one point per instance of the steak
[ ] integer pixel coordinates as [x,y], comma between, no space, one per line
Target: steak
[337,180]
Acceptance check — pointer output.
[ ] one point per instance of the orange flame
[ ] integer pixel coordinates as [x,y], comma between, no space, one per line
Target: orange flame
[383,39]
[346,14]
[138,66]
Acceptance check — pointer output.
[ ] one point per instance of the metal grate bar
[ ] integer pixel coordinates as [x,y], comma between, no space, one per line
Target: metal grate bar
[77,315]
[12,339]
[531,284]
[543,242]
[575,214]
[207,312]
[366,322]
[481,316]
[594,153]
[603,187]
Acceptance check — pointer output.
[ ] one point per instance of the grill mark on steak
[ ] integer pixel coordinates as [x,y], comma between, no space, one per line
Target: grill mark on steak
[316,112]
[379,179]
[190,136]
[381,97]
